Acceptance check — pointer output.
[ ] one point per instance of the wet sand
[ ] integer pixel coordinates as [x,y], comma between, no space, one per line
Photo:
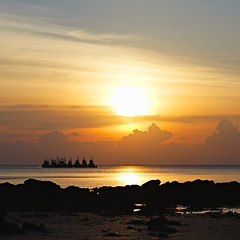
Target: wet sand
[43,210]
[91,226]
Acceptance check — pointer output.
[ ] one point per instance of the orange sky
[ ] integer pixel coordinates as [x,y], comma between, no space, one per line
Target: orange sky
[96,71]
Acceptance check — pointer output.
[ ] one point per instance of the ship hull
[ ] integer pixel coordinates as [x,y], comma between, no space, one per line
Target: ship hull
[68,166]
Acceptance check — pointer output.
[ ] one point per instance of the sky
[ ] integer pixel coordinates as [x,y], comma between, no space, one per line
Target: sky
[121,80]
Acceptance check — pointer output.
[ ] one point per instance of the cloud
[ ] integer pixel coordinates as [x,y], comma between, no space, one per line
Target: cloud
[45,118]
[142,146]
[48,64]
[74,134]
[56,138]
[54,144]
[18,135]
[31,120]
[153,135]
[147,148]
[138,148]
[227,137]
[186,118]
[22,22]
[88,24]
[19,153]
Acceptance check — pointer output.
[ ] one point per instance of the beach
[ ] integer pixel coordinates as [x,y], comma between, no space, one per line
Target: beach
[90,226]
[191,210]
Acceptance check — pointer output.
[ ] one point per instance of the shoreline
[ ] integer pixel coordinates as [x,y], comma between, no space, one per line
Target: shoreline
[118,176]
[201,193]
[92,226]
[42,209]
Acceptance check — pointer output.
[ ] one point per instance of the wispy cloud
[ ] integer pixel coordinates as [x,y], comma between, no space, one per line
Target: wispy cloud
[186,68]
[43,28]
[43,117]
[186,118]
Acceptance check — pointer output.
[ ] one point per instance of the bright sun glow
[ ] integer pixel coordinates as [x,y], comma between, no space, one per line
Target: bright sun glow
[128,178]
[130,101]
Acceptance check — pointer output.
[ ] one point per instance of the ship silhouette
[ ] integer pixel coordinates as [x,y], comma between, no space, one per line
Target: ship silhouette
[62,163]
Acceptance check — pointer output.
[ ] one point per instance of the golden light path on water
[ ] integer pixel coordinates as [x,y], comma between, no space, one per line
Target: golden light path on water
[118,175]
[129,177]
[136,175]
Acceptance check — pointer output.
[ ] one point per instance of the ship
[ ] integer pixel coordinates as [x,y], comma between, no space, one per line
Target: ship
[62,163]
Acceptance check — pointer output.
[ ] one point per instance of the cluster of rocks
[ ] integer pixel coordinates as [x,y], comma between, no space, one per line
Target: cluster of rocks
[7,227]
[43,196]
[13,228]
[153,198]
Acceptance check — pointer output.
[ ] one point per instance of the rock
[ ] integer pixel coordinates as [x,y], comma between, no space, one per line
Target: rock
[152,184]
[159,224]
[113,234]
[164,221]
[44,186]
[7,227]
[34,227]
[130,227]
[162,235]
[10,228]
[137,222]
[3,213]
[44,196]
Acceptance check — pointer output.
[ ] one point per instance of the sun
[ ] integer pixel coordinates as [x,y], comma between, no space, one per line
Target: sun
[130,101]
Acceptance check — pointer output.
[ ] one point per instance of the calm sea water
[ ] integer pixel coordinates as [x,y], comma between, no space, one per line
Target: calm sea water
[118,175]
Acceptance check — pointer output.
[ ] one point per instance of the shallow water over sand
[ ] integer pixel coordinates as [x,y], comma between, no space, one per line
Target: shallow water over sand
[222,210]
[118,175]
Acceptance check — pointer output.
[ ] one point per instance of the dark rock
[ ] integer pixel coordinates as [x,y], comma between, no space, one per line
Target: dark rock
[44,196]
[3,213]
[230,214]
[152,184]
[130,227]
[113,234]
[10,228]
[162,229]
[40,215]
[162,235]
[162,220]
[7,227]
[137,222]
[34,227]
[85,219]
[39,187]
[159,224]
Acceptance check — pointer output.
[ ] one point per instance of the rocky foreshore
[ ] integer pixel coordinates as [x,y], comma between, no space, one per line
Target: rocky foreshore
[146,212]
[35,195]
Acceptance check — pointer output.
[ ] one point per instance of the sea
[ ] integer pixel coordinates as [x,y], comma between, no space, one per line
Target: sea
[119,175]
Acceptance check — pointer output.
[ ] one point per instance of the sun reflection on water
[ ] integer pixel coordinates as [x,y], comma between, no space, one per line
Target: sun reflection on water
[129,178]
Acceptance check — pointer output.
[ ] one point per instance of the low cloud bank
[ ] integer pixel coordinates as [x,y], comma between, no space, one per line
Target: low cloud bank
[138,148]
